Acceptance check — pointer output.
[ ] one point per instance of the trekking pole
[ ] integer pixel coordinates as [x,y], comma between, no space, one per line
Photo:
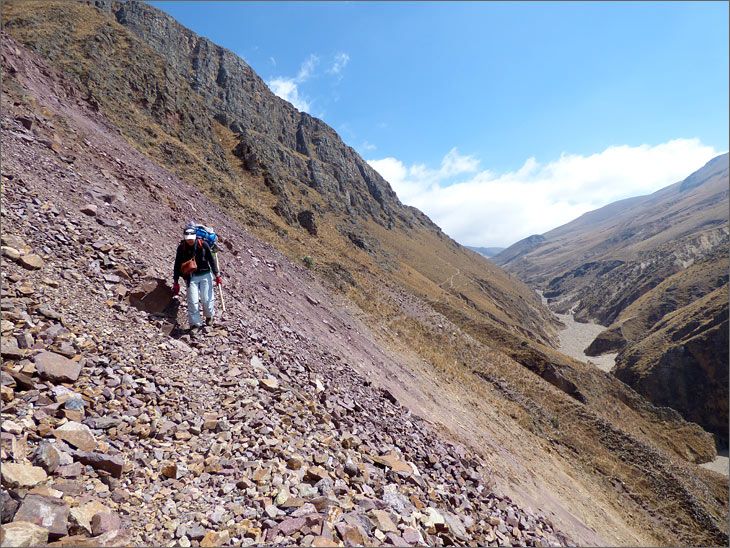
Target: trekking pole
[220,287]
[223,303]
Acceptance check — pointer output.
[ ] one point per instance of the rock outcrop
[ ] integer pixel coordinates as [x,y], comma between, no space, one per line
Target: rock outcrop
[683,363]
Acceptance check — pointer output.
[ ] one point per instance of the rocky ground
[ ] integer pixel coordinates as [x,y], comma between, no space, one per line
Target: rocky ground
[118,427]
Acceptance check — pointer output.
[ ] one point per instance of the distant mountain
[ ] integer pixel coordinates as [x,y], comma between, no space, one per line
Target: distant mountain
[633,265]
[486,251]
[606,259]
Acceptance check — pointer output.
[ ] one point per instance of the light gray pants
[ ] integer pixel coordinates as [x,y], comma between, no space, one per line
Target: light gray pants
[200,288]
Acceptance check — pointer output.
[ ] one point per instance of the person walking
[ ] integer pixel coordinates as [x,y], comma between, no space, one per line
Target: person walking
[194,262]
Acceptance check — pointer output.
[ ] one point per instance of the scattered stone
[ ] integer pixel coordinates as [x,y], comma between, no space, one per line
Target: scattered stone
[77,434]
[46,456]
[291,525]
[11,427]
[270,384]
[213,538]
[114,464]
[173,471]
[45,512]
[383,521]
[8,506]
[152,296]
[31,261]
[57,368]
[105,522]
[22,533]
[83,514]
[22,475]
[90,210]
[394,462]
[9,348]
[10,252]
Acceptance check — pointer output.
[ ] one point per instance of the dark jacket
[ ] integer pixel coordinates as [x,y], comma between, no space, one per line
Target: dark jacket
[203,258]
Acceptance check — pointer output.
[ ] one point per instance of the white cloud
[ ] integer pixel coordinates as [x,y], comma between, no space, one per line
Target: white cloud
[340,62]
[288,88]
[368,146]
[307,69]
[479,207]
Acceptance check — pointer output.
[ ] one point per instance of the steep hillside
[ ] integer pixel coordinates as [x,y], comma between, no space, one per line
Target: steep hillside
[679,290]
[203,113]
[300,419]
[676,363]
[487,251]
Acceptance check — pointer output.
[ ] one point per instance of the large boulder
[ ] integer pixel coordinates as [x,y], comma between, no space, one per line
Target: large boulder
[52,514]
[153,296]
[57,368]
[22,533]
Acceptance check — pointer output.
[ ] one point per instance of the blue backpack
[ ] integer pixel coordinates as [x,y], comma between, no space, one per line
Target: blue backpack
[205,233]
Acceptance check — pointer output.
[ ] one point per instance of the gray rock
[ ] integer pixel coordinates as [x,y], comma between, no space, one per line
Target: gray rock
[114,464]
[57,368]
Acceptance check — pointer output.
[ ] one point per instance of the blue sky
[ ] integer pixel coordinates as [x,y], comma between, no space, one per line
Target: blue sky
[487,88]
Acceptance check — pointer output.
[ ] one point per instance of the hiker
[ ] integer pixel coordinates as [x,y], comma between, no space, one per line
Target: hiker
[195,263]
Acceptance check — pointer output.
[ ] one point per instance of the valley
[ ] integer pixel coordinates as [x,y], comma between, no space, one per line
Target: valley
[575,337]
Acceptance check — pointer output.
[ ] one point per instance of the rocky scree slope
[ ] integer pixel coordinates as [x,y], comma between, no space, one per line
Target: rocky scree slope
[114,432]
[556,434]
[204,113]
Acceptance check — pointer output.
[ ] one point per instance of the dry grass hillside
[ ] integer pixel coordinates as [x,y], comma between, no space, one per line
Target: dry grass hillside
[462,344]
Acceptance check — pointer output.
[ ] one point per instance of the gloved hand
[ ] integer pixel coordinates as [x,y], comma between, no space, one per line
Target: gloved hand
[218,280]
[176,288]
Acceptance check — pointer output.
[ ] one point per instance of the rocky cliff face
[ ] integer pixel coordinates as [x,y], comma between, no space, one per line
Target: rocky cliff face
[292,148]
[683,363]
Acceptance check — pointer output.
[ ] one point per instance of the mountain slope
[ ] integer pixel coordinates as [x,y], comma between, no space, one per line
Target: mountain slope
[205,114]
[676,363]
[487,251]
[601,462]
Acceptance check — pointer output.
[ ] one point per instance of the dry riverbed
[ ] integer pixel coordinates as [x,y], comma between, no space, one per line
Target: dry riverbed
[576,337]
